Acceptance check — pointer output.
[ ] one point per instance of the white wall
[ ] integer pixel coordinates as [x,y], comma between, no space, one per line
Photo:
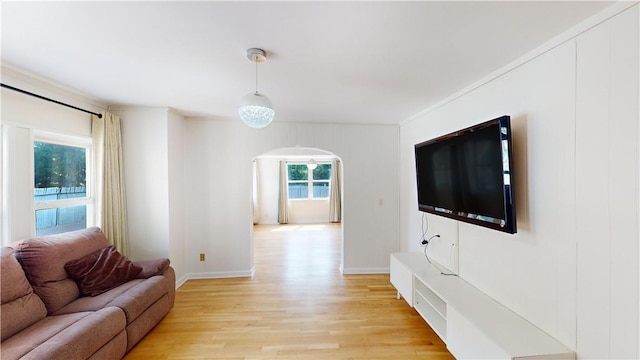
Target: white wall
[572,268]
[267,187]
[145,152]
[153,150]
[177,248]
[306,211]
[607,188]
[218,187]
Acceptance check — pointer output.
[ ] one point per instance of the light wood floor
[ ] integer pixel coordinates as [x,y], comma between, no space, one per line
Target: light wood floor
[297,306]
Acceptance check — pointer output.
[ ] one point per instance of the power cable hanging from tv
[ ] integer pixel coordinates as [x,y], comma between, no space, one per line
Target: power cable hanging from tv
[48,99]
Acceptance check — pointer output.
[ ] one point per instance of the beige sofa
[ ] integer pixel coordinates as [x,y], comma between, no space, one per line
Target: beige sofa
[48,314]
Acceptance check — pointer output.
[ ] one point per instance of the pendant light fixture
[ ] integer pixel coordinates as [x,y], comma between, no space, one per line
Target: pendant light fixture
[256,110]
[312,164]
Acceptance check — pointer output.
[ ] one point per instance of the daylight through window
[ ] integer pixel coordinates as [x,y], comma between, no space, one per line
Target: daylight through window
[304,183]
[60,187]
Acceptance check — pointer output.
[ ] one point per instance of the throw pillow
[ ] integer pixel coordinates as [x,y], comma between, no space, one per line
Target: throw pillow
[101,270]
[152,267]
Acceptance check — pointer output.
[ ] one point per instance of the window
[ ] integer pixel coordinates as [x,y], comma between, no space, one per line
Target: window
[304,183]
[61,200]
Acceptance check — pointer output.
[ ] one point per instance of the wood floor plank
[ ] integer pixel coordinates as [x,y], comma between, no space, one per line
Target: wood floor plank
[297,306]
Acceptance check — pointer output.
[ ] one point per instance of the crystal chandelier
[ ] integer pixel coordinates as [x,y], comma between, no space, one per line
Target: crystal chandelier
[256,110]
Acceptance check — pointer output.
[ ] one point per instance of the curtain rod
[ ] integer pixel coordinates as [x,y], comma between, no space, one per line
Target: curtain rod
[47,99]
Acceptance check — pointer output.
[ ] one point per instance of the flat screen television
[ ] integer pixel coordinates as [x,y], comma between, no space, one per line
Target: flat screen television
[468,175]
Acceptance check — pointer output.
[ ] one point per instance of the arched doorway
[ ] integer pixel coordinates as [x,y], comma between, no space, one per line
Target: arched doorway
[298,189]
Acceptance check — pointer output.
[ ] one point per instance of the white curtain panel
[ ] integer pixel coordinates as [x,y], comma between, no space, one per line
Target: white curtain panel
[335,197]
[283,201]
[110,205]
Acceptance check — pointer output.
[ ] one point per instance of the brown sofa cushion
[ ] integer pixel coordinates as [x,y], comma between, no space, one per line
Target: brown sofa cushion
[101,270]
[134,297]
[70,336]
[20,306]
[43,261]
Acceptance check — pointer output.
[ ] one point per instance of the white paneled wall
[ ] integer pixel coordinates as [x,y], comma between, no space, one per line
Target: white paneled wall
[607,189]
[523,271]
[572,268]
[218,199]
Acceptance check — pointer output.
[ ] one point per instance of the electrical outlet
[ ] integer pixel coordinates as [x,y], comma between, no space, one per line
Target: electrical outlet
[201,257]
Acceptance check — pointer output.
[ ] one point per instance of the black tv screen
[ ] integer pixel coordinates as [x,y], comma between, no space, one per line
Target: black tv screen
[467,175]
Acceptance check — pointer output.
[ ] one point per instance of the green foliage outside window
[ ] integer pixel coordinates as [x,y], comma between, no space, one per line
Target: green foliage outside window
[59,165]
[298,172]
[322,172]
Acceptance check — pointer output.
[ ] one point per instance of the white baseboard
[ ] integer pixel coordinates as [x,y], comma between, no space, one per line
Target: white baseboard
[179,282]
[221,274]
[215,275]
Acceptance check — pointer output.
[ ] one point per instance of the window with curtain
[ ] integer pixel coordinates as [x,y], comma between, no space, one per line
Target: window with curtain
[305,183]
[62,173]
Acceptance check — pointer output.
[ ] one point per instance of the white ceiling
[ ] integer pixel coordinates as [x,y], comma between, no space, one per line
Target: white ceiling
[354,62]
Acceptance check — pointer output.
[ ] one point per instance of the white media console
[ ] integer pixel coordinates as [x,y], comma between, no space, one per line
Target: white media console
[473,325]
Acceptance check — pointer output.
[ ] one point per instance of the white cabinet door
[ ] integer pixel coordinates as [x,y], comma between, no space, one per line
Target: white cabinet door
[402,279]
